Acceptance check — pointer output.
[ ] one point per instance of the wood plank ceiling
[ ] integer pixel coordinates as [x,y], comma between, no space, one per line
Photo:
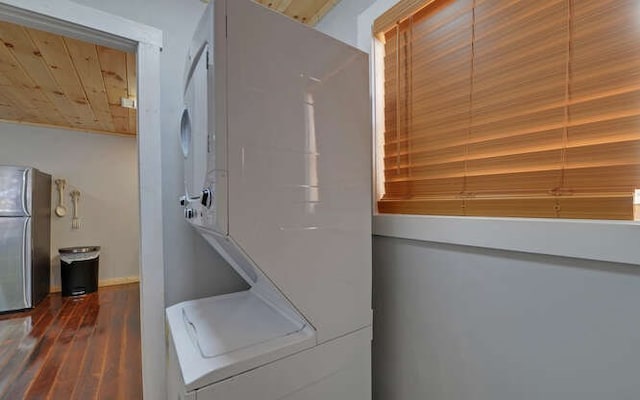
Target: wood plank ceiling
[47,79]
[306,11]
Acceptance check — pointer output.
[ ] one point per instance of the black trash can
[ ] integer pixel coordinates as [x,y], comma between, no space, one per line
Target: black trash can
[79,269]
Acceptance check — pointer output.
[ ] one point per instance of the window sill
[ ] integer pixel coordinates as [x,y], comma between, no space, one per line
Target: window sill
[611,241]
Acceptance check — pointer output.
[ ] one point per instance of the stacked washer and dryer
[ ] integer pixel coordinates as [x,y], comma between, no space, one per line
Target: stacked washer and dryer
[276,142]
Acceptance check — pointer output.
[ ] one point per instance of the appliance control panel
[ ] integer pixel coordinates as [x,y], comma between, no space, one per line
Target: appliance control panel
[207,208]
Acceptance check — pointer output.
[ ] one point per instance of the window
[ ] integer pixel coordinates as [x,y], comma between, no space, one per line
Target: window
[511,108]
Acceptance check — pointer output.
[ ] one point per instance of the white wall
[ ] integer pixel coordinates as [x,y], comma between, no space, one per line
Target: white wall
[340,21]
[104,169]
[192,268]
[470,323]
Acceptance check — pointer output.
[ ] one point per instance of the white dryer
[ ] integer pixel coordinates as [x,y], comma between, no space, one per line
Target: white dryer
[276,141]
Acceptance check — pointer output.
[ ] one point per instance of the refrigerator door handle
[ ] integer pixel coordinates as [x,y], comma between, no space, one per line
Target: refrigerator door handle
[25,192]
[26,262]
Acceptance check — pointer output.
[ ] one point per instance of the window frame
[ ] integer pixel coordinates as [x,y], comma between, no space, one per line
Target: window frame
[600,240]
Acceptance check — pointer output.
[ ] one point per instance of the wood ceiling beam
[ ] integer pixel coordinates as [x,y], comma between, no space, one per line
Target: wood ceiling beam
[322,12]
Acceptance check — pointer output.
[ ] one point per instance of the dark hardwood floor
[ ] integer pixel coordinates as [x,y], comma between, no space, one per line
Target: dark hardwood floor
[74,348]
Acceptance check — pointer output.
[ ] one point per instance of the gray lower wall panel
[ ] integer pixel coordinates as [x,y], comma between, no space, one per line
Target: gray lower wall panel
[459,323]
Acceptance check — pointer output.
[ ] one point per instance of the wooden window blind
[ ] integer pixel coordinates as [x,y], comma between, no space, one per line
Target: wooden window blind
[512,108]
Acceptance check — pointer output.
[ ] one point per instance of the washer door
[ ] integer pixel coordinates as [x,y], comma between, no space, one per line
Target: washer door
[194,128]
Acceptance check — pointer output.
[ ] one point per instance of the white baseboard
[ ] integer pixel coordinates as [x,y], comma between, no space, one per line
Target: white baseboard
[106,282]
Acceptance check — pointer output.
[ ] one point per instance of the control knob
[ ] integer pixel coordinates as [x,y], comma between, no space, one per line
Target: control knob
[189,213]
[206,198]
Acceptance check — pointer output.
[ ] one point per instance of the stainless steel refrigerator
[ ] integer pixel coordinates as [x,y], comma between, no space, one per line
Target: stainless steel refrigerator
[25,237]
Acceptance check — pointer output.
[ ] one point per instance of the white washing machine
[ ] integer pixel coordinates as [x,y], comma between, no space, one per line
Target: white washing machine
[276,141]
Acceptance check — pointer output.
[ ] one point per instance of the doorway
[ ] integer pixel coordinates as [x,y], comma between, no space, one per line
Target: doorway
[86,24]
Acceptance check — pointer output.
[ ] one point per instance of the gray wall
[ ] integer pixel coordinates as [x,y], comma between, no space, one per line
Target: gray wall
[465,323]
[192,268]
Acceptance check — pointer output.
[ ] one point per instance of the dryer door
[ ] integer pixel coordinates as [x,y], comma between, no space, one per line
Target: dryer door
[194,137]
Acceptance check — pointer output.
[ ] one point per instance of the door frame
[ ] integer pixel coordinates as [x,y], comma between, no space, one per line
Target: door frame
[85,23]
